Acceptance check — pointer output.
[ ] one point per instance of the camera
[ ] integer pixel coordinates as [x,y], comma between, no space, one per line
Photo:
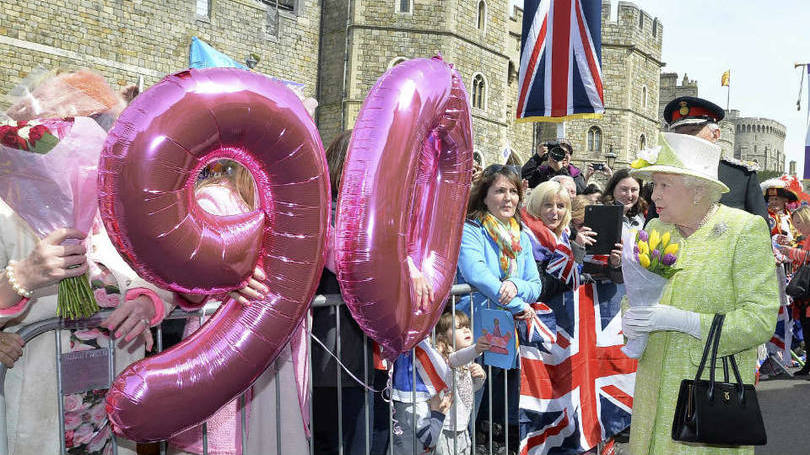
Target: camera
[598,166]
[557,153]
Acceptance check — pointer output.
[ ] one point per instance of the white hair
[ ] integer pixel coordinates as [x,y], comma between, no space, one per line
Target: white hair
[563,179]
[705,190]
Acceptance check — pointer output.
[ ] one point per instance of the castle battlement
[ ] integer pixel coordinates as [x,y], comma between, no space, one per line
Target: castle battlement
[633,27]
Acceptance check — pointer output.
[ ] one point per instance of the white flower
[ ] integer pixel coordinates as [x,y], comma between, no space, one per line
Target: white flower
[23,132]
[650,155]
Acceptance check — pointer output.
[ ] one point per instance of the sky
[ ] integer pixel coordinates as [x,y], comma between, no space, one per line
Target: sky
[758,41]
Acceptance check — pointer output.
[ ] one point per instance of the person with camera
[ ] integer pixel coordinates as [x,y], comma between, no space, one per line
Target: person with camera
[557,158]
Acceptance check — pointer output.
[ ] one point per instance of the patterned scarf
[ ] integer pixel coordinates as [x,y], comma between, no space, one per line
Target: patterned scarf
[508,240]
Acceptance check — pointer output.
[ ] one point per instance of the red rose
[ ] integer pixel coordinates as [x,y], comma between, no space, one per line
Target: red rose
[10,138]
[35,133]
[22,123]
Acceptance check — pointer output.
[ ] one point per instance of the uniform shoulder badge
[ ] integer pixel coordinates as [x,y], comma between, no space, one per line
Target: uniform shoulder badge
[745,165]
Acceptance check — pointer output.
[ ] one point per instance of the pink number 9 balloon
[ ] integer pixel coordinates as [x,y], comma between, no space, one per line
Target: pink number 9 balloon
[404,191]
[147,174]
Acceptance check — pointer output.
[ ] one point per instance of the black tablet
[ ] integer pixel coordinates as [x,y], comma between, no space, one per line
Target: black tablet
[606,221]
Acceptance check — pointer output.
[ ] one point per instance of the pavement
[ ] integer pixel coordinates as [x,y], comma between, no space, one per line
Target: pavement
[785,406]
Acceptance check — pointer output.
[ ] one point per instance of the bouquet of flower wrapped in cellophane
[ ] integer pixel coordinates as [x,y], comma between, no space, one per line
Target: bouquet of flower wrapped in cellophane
[648,262]
[49,150]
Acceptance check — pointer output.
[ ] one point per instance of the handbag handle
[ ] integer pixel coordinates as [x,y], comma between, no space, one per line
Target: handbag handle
[718,318]
[715,346]
[740,390]
[713,340]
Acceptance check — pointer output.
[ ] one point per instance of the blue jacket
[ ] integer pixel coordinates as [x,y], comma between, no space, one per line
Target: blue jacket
[479,267]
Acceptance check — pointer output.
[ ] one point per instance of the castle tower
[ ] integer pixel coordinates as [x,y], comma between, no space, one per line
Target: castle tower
[761,140]
[364,38]
[670,89]
[631,64]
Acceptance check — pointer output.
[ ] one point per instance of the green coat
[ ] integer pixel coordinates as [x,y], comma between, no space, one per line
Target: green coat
[727,267]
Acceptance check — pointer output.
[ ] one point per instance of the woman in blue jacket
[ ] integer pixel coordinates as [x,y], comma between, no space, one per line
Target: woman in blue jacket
[496,259]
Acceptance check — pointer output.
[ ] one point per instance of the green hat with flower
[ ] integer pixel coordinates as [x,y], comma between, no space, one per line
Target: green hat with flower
[680,154]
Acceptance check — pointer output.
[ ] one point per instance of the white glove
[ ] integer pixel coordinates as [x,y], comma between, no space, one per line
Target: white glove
[638,321]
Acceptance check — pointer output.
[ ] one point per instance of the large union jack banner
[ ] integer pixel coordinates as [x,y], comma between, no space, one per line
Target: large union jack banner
[560,61]
[579,392]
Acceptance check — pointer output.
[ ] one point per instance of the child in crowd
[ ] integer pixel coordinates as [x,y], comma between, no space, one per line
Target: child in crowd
[458,349]
[420,399]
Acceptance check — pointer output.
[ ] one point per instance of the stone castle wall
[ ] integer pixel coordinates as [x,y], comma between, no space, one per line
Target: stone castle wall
[378,36]
[340,54]
[125,39]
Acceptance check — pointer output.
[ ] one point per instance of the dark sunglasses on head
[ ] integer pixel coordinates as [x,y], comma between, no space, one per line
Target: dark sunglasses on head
[499,169]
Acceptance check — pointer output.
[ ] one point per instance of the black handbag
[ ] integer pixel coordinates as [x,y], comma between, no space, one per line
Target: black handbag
[719,413]
[799,286]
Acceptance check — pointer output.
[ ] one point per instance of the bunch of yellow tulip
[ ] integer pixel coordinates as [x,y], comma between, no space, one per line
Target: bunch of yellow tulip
[655,252]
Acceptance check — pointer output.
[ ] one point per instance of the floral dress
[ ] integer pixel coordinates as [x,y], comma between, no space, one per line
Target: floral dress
[30,404]
[87,429]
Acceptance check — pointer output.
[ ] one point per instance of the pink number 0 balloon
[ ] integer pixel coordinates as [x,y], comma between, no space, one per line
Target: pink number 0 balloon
[404,194]
[147,174]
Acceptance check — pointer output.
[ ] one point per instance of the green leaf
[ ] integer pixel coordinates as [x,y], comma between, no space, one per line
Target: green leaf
[45,144]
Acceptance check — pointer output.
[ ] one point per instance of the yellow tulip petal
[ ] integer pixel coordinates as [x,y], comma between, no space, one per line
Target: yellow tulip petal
[671,249]
[655,238]
[643,248]
[665,239]
[644,260]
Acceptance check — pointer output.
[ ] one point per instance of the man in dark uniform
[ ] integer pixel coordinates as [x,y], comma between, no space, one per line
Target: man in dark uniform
[699,117]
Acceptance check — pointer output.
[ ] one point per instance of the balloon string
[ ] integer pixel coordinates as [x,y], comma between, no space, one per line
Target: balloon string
[346,370]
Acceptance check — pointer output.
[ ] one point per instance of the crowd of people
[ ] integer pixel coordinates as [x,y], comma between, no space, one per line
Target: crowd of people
[521,224]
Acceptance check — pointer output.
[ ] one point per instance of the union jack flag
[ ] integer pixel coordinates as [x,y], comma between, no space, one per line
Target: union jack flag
[431,375]
[560,73]
[540,332]
[562,264]
[581,391]
[781,340]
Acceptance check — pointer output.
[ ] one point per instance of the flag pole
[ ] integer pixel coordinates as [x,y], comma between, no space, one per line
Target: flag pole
[728,91]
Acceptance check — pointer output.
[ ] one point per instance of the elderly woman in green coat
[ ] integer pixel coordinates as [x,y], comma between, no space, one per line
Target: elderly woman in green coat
[727,266]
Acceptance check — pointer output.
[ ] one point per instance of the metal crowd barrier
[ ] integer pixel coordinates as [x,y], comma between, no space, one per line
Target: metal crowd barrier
[56,325]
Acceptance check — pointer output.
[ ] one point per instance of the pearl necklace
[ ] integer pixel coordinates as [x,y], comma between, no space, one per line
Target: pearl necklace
[706,217]
[703,220]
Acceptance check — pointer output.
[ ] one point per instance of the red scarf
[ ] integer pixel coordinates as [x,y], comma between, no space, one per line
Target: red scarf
[543,234]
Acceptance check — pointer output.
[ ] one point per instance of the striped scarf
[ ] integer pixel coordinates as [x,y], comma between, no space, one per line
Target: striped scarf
[508,240]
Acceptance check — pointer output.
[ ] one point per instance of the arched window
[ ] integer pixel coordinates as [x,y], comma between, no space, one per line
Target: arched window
[479,91]
[594,140]
[642,142]
[482,15]
[640,20]
[396,61]
[644,96]
[655,27]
